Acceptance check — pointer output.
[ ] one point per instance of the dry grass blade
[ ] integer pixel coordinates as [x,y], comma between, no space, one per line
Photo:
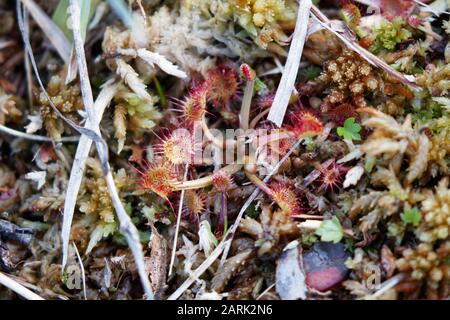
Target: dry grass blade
[126,225]
[34,137]
[83,274]
[18,288]
[368,56]
[224,245]
[79,164]
[287,82]
[51,30]
[435,8]
[177,228]
[28,72]
[21,15]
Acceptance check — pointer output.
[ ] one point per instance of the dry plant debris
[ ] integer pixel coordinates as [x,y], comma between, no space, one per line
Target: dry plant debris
[267,149]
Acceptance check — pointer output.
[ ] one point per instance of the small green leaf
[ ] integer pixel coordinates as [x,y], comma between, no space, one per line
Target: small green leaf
[330,231]
[61,14]
[350,130]
[260,86]
[411,216]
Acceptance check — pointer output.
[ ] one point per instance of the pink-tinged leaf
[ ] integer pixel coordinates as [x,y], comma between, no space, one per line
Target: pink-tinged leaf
[325,265]
[396,8]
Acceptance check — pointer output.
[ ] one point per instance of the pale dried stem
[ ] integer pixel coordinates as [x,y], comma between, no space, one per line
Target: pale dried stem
[18,288]
[79,165]
[177,228]
[287,82]
[206,181]
[34,137]
[126,225]
[83,274]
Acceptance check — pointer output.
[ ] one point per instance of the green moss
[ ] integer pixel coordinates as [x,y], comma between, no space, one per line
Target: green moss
[389,34]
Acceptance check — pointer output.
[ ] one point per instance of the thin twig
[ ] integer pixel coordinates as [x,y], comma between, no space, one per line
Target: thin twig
[83,274]
[28,71]
[126,225]
[228,237]
[368,56]
[287,82]
[177,228]
[18,288]
[34,137]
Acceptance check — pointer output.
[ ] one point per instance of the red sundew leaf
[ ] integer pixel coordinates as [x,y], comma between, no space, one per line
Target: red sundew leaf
[304,124]
[284,195]
[222,84]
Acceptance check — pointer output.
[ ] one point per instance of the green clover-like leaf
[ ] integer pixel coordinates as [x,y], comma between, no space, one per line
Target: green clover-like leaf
[411,216]
[330,231]
[350,130]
